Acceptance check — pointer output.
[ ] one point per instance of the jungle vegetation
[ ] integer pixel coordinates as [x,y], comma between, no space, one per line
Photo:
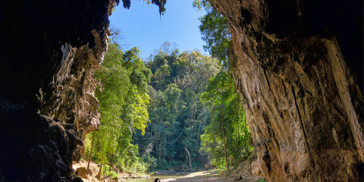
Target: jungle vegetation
[172,111]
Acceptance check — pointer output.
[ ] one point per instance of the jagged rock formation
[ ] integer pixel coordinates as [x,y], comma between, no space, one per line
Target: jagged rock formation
[160,3]
[48,53]
[298,66]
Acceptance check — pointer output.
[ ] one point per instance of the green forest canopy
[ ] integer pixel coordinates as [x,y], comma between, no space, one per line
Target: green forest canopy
[166,113]
[176,110]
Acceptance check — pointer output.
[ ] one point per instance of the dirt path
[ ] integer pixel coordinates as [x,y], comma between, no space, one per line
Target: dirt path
[202,176]
[211,176]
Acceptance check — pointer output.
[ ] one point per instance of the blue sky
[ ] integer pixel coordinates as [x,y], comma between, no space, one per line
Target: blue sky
[141,26]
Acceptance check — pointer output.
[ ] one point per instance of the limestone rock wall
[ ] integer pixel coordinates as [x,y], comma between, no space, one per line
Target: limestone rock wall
[298,66]
[48,53]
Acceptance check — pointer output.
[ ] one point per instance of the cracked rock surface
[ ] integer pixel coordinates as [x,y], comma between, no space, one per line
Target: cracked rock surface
[49,51]
[298,66]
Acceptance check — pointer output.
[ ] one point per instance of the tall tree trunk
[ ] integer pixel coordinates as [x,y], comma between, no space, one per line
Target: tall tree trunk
[112,157]
[223,128]
[92,144]
[189,156]
[223,132]
[98,176]
[160,148]
[237,133]
[239,148]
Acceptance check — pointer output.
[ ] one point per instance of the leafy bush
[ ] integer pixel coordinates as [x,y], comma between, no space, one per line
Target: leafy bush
[108,171]
[150,162]
[226,137]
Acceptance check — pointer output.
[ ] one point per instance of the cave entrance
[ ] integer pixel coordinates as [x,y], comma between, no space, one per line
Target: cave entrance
[168,97]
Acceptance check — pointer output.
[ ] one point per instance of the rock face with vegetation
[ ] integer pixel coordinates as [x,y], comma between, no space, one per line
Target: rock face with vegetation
[298,67]
[48,53]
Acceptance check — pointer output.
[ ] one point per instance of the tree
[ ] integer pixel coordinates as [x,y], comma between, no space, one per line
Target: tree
[123,98]
[215,31]
[216,91]
[177,115]
[222,137]
[92,144]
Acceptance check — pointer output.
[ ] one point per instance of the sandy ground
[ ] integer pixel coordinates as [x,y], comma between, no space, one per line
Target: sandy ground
[210,176]
[201,176]
[93,167]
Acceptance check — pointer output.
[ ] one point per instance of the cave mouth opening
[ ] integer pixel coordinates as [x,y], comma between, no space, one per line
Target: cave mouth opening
[178,81]
[50,49]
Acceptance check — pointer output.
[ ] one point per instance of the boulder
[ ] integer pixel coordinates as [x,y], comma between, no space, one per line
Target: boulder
[83,172]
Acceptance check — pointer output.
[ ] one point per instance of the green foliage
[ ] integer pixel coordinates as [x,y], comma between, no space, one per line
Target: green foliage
[202,4]
[150,162]
[215,31]
[123,102]
[108,171]
[221,97]
[223,101]
[177,115]
[165,113]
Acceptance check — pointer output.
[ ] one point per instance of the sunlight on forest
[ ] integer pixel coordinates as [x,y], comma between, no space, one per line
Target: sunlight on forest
[181,90]
[174,111]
